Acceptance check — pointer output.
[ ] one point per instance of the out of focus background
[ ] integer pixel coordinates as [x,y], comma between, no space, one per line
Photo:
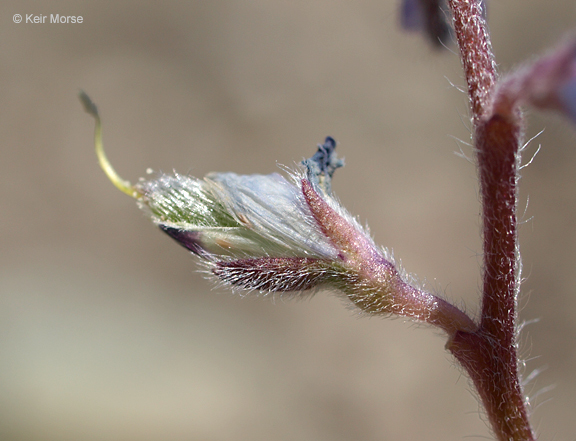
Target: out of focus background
[107,331]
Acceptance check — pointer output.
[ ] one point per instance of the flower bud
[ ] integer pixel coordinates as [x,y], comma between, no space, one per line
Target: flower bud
[268,233]
[239,216]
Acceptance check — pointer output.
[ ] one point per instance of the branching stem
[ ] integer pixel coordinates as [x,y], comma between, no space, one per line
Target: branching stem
[489,354]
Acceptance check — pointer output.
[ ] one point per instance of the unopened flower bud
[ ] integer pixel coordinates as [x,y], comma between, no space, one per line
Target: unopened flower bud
[268,233]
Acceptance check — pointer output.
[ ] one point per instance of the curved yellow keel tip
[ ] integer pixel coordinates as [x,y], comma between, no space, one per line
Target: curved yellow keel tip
[121,184]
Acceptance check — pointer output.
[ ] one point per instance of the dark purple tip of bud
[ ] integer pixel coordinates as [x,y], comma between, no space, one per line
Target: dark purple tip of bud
[324,156]
[188,239]
[268,274]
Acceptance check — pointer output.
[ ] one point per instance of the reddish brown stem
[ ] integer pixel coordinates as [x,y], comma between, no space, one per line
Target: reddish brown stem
[489,354]
[476,53]
[497,141]
[496,383]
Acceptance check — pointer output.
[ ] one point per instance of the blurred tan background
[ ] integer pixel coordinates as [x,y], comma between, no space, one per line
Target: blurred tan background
[107,332]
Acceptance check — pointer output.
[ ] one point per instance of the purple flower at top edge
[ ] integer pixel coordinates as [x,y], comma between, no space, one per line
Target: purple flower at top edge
[428,17]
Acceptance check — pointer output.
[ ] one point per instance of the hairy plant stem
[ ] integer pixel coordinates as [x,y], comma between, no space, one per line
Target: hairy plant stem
[489,354]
